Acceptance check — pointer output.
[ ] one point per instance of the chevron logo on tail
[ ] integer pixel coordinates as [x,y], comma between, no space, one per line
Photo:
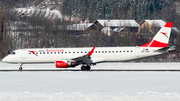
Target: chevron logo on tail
[164,34]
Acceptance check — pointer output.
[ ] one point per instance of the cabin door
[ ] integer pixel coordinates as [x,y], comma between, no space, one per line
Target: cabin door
[23,54]
[137,51]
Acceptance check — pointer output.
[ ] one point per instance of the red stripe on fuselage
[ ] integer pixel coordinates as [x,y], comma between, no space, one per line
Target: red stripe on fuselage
[33,52]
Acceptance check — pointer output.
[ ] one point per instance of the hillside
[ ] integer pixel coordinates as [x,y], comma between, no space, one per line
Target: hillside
[105,9]
[120,9]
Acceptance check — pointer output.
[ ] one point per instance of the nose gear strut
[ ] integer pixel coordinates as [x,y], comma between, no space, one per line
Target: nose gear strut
[20,68]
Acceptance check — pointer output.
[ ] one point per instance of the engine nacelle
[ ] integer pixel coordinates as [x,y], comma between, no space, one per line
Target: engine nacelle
[65,64]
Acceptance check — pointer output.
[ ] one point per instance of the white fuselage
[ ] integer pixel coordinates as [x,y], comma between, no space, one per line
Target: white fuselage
[100,54]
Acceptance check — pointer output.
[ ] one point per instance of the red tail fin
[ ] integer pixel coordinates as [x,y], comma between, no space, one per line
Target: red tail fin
[161,39]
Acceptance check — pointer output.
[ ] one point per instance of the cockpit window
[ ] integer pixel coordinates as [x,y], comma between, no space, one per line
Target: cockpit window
[13,53]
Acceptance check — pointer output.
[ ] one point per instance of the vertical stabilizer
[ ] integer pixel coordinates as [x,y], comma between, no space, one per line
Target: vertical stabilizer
[161,39]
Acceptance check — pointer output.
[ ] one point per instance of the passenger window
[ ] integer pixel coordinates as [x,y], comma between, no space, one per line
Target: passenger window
[116,51]
[69,52]
[47,52]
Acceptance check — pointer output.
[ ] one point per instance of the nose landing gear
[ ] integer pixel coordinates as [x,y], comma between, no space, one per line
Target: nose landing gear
[20,68]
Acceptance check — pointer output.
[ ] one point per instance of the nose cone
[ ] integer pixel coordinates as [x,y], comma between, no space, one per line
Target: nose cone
[4,60]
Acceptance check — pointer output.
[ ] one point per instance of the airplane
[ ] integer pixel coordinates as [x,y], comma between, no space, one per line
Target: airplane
[86,57]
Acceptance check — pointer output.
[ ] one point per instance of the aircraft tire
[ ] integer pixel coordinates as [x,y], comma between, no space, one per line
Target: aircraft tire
[20,68]
[84,68]
[88,67]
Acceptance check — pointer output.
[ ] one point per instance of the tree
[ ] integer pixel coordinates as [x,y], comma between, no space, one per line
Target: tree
[4,38]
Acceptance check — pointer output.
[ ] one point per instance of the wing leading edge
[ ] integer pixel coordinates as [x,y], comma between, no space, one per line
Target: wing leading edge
[85,59]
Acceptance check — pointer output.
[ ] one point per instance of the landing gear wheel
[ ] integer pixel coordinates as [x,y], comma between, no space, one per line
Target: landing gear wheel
[84,68]
[20,64]
[88,67]
[20,68]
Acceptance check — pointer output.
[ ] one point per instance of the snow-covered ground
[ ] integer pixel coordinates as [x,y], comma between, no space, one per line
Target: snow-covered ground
[90,86]
[101,66]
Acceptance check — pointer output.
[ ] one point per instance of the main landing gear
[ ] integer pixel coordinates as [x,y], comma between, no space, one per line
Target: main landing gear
[20,64]
[85,68]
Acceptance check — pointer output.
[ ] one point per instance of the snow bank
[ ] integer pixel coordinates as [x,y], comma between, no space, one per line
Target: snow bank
[26,96]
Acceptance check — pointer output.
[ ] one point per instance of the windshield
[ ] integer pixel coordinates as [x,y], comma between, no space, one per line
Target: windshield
[13,53]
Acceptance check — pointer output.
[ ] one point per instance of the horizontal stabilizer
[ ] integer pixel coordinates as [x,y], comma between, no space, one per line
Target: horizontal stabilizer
[167,49]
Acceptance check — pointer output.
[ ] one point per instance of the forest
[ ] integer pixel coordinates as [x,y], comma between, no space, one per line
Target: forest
[45,34]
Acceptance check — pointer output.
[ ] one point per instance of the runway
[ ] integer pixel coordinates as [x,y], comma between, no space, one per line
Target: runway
[104,82]
[114,67]
[93,70]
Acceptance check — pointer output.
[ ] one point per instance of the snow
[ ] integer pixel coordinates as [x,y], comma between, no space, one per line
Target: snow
[118,23]
[118,29]
[157,22]
[90,85]
[106,29]
[46,13]
[79,26]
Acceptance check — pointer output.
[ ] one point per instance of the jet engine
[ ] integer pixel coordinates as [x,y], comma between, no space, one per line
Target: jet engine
[65,64]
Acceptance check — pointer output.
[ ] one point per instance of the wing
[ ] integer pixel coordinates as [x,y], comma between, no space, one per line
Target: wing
[85,59]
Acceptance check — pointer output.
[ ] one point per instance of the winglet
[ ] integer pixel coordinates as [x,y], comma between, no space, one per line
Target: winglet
[90,53]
